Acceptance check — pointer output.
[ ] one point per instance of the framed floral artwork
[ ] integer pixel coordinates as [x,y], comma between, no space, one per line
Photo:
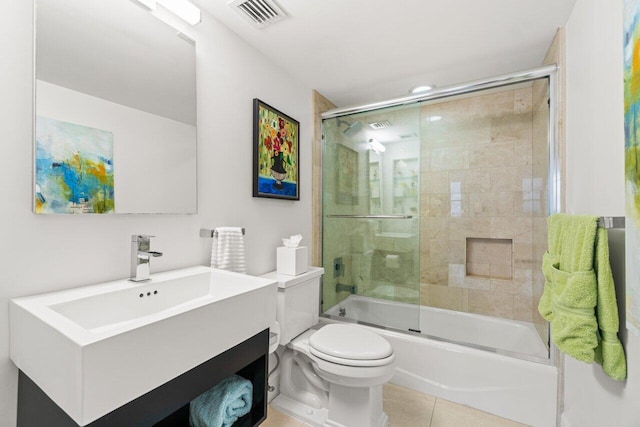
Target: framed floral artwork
[276,155]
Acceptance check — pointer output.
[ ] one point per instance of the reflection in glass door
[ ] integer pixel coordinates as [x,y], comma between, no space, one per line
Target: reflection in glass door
[371,179]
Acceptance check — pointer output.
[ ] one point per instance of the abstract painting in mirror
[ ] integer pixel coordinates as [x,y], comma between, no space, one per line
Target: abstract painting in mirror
[632,160]
[115,111]
[74,168]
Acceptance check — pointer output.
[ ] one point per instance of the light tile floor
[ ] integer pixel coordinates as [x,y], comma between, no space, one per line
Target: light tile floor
[408,408]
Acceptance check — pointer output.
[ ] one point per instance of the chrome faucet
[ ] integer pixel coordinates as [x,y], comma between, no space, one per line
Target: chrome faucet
[140,257]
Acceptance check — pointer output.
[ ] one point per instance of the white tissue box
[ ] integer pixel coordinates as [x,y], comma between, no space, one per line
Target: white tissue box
[292,261]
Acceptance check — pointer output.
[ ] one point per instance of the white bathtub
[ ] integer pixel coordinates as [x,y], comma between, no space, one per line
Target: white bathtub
[521,390]
[475,329]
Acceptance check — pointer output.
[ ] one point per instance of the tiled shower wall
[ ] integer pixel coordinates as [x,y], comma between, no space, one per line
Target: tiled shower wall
[483,193]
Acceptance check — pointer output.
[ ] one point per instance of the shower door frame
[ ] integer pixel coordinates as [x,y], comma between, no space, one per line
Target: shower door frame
[554,175]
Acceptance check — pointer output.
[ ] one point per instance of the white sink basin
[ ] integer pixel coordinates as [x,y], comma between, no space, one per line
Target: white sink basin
[93,349]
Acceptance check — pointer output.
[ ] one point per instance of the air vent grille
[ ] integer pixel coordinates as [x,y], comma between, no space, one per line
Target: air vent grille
[381,124]
[260,13]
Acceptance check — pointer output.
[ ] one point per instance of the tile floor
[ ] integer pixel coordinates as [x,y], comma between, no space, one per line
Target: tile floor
[408,408]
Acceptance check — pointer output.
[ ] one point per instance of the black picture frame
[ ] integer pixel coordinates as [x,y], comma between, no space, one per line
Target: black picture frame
[276,153]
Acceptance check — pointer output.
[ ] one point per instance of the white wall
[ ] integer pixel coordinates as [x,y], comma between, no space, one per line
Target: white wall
[595,185]
[50,252]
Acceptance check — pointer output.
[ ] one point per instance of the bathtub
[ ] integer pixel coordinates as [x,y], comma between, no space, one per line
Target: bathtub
[480,331]
[513,388]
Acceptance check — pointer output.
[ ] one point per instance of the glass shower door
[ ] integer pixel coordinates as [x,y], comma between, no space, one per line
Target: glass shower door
[371,180]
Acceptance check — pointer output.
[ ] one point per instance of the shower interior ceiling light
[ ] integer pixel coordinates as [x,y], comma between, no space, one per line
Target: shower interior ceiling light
[422,88]
[183,9]
[435,118]
[376,146]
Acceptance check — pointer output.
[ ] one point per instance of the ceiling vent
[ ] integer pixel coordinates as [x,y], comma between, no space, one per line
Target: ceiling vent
[260,13]
[381,124]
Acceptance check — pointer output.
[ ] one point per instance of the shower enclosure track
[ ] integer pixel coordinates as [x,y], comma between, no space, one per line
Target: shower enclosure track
[447,91]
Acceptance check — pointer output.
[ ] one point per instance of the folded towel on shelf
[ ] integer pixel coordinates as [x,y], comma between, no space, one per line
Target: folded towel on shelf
[227,252]
[221,406]
[579,295]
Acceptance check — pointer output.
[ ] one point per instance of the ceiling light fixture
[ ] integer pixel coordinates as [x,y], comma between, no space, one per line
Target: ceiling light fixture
[183,9]
[376,146]
[435,118]
[422,88]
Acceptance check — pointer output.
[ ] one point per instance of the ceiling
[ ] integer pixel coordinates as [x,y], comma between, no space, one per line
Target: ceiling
[361,51]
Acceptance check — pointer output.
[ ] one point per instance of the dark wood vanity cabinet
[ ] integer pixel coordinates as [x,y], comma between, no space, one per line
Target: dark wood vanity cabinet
[168,404]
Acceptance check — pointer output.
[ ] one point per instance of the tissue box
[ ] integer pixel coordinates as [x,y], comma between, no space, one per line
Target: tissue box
[292,261]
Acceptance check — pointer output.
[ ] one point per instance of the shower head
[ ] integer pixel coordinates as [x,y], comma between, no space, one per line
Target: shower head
[352,128]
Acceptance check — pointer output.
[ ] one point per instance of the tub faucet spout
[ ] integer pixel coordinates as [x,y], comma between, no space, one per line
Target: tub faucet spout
[140,257]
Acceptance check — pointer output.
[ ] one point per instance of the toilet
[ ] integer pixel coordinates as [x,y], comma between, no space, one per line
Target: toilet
[330,375]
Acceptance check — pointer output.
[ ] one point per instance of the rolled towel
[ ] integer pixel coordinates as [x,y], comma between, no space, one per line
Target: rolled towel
[221,406]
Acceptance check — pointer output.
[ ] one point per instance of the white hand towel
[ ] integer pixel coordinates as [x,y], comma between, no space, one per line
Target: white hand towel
[227,252]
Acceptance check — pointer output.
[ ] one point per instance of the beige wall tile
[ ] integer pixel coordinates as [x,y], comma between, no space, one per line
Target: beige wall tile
[491,204]
[449,158]
[424,294]
[483,147]
[492,155]
[511,178]
[523,152]
[511,127]
[522,100]
[504,286]
[437,205]
[523,308]
[434,182]
[457,272]
[489,251]
[434,274]
[446,297]
[461,228]
[501,271]
[457,253]
[499,304]
[478,269]
[478,283]
[471,180]
[523,282]
[491,105]
[518,229]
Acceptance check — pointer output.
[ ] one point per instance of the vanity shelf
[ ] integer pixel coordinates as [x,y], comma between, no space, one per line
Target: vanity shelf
[168,404]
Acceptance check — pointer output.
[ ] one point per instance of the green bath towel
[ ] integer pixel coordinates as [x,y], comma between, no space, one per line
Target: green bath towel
[579,295]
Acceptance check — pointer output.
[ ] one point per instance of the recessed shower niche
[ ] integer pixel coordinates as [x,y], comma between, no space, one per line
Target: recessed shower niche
[489,258]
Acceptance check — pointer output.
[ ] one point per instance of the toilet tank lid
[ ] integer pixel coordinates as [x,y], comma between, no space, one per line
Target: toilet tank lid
[350,342]
[286,281]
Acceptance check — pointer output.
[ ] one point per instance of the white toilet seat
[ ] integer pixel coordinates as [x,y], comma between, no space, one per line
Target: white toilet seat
[350,345]
[348,372]
[352,362]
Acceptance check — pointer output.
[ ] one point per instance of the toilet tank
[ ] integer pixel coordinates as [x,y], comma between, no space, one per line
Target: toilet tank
[298,303]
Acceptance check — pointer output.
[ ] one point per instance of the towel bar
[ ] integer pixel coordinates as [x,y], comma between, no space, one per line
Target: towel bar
[205,232]
[611,222]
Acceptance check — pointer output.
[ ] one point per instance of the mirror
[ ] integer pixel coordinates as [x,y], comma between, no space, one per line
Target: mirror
[115,127]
